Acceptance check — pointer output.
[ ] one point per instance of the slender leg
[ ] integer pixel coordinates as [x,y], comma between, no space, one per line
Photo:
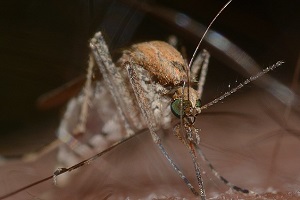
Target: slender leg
[200,63]
[87,93]
[106,129]
[141,90]
[177,129]
[232,186]
[116,84]
[73,149]
[226,94]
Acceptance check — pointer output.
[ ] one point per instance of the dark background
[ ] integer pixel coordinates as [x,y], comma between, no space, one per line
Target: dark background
[44,44]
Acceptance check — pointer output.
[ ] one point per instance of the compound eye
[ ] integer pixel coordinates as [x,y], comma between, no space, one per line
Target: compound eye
[198,103]
[176,108]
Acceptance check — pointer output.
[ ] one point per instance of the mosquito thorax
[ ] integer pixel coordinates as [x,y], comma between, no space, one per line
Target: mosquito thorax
[160,59]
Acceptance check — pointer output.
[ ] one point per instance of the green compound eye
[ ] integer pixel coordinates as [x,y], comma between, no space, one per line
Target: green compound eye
[176,108]
[198,103]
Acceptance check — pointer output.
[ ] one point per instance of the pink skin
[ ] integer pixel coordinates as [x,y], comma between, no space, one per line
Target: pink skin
[236,143]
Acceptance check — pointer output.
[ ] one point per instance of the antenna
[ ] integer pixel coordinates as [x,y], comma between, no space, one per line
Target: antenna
[247,81]
[197,48]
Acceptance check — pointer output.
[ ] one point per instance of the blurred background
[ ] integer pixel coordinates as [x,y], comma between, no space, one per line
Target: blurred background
[44,45]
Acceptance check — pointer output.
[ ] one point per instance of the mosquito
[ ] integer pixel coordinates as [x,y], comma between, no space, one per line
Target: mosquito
[154,76]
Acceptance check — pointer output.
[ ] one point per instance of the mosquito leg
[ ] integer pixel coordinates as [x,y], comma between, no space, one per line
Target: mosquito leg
[225,181]
[141,92]
[173,41]
[87,93]
[116,83]
[200,63]
[191,149]
[74,148]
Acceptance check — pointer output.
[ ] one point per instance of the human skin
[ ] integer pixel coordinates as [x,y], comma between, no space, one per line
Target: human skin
[236,136]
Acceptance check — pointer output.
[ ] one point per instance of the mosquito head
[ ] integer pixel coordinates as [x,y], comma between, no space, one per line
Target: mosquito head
[186,103]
